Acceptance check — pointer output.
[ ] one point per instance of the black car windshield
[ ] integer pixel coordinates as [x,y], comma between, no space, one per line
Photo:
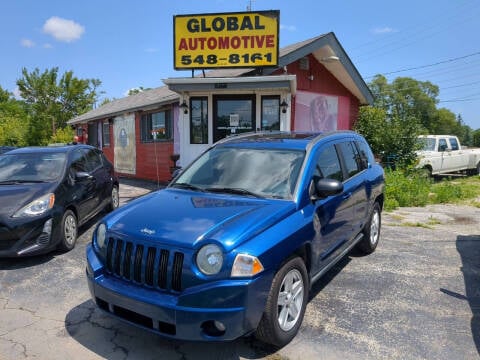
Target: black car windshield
[246,171]
[31,167]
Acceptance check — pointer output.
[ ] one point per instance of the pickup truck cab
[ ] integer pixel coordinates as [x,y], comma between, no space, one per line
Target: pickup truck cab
[443,154]
[233,244]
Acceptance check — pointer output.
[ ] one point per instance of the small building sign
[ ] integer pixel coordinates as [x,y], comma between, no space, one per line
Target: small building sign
[246,39]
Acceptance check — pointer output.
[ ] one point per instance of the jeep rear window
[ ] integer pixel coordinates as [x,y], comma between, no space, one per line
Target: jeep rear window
[269,173]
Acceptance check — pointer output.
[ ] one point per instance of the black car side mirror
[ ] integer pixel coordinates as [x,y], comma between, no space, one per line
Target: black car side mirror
[82,175]
[322,188]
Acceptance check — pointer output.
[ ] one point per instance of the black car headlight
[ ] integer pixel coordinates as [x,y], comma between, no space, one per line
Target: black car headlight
[210,259]
[37,206]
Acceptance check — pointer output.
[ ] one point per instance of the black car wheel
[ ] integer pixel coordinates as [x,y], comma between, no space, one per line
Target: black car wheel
[371,231]
[114,199]
[69,231]
[286,304]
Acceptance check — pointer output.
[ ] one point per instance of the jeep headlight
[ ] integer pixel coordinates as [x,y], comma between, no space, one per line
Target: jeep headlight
[210,259]
[246,265]
[101,235]
[37,206]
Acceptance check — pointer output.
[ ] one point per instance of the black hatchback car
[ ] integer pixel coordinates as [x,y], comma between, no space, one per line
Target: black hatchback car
[46,193]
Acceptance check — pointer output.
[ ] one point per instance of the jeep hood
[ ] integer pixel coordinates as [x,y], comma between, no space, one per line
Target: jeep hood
[185,218]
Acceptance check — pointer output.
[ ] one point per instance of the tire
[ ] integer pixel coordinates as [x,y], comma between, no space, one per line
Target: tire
[371,231]
[285,305]
[114,199]
[68,231]
[426,172]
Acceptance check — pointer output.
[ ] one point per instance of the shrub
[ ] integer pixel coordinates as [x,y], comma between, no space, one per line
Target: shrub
[405,188]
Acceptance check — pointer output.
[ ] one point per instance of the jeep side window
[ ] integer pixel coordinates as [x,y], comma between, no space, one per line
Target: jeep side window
[328,165]
[366,156]
[351,157]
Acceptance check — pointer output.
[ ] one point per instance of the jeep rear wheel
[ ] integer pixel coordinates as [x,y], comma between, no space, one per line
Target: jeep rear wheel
[286,304]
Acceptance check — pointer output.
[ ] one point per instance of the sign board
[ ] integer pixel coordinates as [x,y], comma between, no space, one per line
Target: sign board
[229,40]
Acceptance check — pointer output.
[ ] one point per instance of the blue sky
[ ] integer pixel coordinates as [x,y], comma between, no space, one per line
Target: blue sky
[128,44]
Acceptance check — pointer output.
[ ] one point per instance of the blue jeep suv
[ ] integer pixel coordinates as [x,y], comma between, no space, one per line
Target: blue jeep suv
[233,244]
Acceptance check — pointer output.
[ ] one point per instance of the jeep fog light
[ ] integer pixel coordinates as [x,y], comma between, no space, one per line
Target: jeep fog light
[210,259]
[246,265]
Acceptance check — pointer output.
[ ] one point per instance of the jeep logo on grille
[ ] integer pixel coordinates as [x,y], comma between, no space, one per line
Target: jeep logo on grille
[147,231]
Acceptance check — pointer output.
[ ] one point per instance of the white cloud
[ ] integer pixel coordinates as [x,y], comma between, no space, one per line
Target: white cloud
[288,27]
[383,30]
[63,29]
[27,43]
[151,50]
[47,46]
[16,93]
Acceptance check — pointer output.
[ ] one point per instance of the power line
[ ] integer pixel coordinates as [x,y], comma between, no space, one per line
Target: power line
[428,65]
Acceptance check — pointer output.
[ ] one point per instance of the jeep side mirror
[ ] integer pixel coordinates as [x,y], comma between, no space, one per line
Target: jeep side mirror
[322,188]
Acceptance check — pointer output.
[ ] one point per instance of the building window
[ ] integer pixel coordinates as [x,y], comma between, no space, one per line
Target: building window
[106,134]
[233,115]
[157,126]
[199,120]
[270,113]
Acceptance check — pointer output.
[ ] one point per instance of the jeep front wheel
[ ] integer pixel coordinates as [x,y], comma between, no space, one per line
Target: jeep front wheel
[286,304]
[371,231]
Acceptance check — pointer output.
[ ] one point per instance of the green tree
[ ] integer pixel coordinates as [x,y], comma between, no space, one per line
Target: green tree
[64,135]
[138,90]
[406,98]
[445,122]
[392,139]
[476,138]
[409,107]
[14,120]
[54,100]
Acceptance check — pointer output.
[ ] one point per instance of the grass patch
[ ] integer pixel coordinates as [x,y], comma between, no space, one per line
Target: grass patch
[433,221]
[405,188]
[417,224]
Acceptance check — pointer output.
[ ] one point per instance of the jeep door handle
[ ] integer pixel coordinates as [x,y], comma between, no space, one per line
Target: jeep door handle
[346,195]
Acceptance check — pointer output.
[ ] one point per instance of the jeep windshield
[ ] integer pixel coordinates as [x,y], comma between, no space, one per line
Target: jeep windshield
[247,171]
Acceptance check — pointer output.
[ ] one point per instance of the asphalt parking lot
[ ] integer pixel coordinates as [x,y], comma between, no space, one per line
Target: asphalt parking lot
[416,297]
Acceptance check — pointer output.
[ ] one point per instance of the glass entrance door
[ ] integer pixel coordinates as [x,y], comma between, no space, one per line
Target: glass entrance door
[233,115]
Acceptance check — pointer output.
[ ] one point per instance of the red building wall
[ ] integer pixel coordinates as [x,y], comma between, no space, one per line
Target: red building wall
[152,159]
[319,80]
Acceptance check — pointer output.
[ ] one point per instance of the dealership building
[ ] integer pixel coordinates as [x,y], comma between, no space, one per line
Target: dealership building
[311,86]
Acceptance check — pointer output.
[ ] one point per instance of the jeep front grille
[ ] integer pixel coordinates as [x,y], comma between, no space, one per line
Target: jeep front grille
[144,264]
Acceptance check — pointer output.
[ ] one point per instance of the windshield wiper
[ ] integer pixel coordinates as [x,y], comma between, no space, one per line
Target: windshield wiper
[187,186]
[14,182]
[239,191]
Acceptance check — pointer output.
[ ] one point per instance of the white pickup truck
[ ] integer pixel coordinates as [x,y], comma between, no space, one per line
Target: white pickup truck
[443,154]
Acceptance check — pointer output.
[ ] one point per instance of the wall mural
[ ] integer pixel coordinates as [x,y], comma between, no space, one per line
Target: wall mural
[125,154]
[315,112]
